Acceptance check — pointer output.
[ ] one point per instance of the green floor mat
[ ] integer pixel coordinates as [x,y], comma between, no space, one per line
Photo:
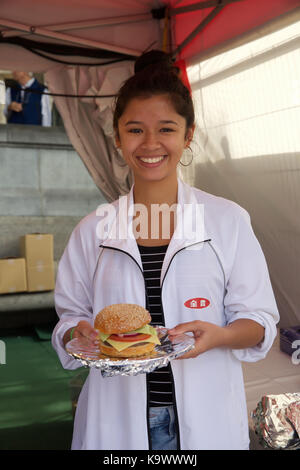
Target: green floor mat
[35,395]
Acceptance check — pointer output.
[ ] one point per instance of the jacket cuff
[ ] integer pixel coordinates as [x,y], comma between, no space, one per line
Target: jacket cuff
[67,361]
[258,352]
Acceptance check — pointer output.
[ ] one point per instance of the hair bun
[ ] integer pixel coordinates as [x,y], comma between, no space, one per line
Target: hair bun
[157,59]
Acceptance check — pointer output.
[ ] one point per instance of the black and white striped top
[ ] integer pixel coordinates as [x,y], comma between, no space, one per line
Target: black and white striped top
[160,380]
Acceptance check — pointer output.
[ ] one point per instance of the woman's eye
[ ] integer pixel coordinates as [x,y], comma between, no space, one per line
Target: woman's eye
[167,129]
[135,131]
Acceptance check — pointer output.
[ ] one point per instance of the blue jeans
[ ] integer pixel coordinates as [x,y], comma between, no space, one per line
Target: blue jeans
[162,428]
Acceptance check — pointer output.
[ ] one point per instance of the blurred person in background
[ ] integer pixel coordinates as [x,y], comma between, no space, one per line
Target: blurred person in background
[24,106]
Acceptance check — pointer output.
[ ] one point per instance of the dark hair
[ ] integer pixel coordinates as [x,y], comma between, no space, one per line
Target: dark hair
[155,74]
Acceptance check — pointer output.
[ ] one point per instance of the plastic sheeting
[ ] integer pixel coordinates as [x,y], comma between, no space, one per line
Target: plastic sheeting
[88,122]
[247,147]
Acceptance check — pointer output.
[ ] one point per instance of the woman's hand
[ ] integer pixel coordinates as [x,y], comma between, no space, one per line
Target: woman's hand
[240,334]
[82,329]
[206,335]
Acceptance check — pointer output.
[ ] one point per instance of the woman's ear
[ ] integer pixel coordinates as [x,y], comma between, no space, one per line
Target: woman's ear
[189,135]
[117,140]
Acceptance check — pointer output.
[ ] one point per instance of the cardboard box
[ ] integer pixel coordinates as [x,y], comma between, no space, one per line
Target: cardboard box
[12,275]
[37,249]
[40,278]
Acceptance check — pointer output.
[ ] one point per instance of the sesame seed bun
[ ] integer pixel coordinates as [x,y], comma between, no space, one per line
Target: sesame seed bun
[121,318]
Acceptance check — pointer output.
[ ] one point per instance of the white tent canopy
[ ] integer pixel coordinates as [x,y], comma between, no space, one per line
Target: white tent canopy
[241,57]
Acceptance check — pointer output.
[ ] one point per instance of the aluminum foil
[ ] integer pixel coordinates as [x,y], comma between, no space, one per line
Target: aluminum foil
[277,421]
[90,356]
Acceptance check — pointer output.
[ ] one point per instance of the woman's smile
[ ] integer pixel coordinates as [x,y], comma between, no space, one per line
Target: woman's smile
[151,161]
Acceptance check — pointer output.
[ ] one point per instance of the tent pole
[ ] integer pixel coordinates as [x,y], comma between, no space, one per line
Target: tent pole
[200,6]
[88,24]
[197,30]
[66,37]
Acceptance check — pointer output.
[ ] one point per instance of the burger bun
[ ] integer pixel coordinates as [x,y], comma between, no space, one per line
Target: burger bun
[121,318]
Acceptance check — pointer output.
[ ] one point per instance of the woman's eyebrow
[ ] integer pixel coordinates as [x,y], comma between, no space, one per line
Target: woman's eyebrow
[161,122]
[169,122]
[132,122]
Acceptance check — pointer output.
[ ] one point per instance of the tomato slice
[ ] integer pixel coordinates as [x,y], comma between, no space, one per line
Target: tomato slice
[136,337]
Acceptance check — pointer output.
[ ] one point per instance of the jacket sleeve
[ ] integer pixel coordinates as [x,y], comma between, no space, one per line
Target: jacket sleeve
[249,292]
[72,295]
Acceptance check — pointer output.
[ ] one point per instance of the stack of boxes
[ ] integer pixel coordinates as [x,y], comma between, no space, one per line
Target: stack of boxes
[34,271]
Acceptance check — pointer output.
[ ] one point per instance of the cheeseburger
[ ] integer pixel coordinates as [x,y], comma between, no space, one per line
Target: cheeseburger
[124,331]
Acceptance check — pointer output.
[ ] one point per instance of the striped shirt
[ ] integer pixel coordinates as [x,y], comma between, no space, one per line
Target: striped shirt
[160,381]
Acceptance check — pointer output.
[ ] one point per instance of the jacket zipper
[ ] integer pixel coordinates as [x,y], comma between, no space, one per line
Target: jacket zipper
[147,305]
[173,387]
[126,253]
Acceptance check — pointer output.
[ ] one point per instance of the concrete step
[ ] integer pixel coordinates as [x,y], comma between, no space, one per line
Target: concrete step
[26,301]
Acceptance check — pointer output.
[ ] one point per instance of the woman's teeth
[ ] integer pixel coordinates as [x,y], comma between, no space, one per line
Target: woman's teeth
[152,160]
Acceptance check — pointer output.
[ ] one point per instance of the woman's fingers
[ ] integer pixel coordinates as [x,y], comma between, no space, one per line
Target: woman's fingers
[85,329]
[207,336]
[191,326]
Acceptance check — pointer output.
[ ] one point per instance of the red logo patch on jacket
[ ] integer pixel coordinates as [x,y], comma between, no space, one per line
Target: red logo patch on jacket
[198,302]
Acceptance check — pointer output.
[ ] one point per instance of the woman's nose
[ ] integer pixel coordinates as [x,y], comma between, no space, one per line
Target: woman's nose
[151,141]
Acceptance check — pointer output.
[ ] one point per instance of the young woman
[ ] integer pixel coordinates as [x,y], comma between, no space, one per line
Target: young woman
[205,275]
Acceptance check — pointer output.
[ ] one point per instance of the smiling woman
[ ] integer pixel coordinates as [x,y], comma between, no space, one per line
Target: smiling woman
[221,265]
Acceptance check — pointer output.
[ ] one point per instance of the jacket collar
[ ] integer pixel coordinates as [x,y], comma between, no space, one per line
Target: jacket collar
[189,230]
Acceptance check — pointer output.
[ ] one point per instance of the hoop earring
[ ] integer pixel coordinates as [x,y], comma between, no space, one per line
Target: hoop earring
[188,164]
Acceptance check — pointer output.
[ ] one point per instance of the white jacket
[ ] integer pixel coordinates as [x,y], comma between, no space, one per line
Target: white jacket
[229,271]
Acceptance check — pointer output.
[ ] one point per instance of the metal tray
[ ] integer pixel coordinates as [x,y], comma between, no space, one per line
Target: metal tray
[89,355]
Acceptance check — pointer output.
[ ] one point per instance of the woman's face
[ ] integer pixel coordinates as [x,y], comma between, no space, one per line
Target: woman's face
[152,137]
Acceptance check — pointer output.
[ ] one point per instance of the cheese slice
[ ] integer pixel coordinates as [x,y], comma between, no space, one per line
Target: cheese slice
[120,345]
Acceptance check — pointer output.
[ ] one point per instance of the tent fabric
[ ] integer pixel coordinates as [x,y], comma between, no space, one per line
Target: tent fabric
[77,19]
[233,20]
[88,122]
[247,148]
[50,15]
